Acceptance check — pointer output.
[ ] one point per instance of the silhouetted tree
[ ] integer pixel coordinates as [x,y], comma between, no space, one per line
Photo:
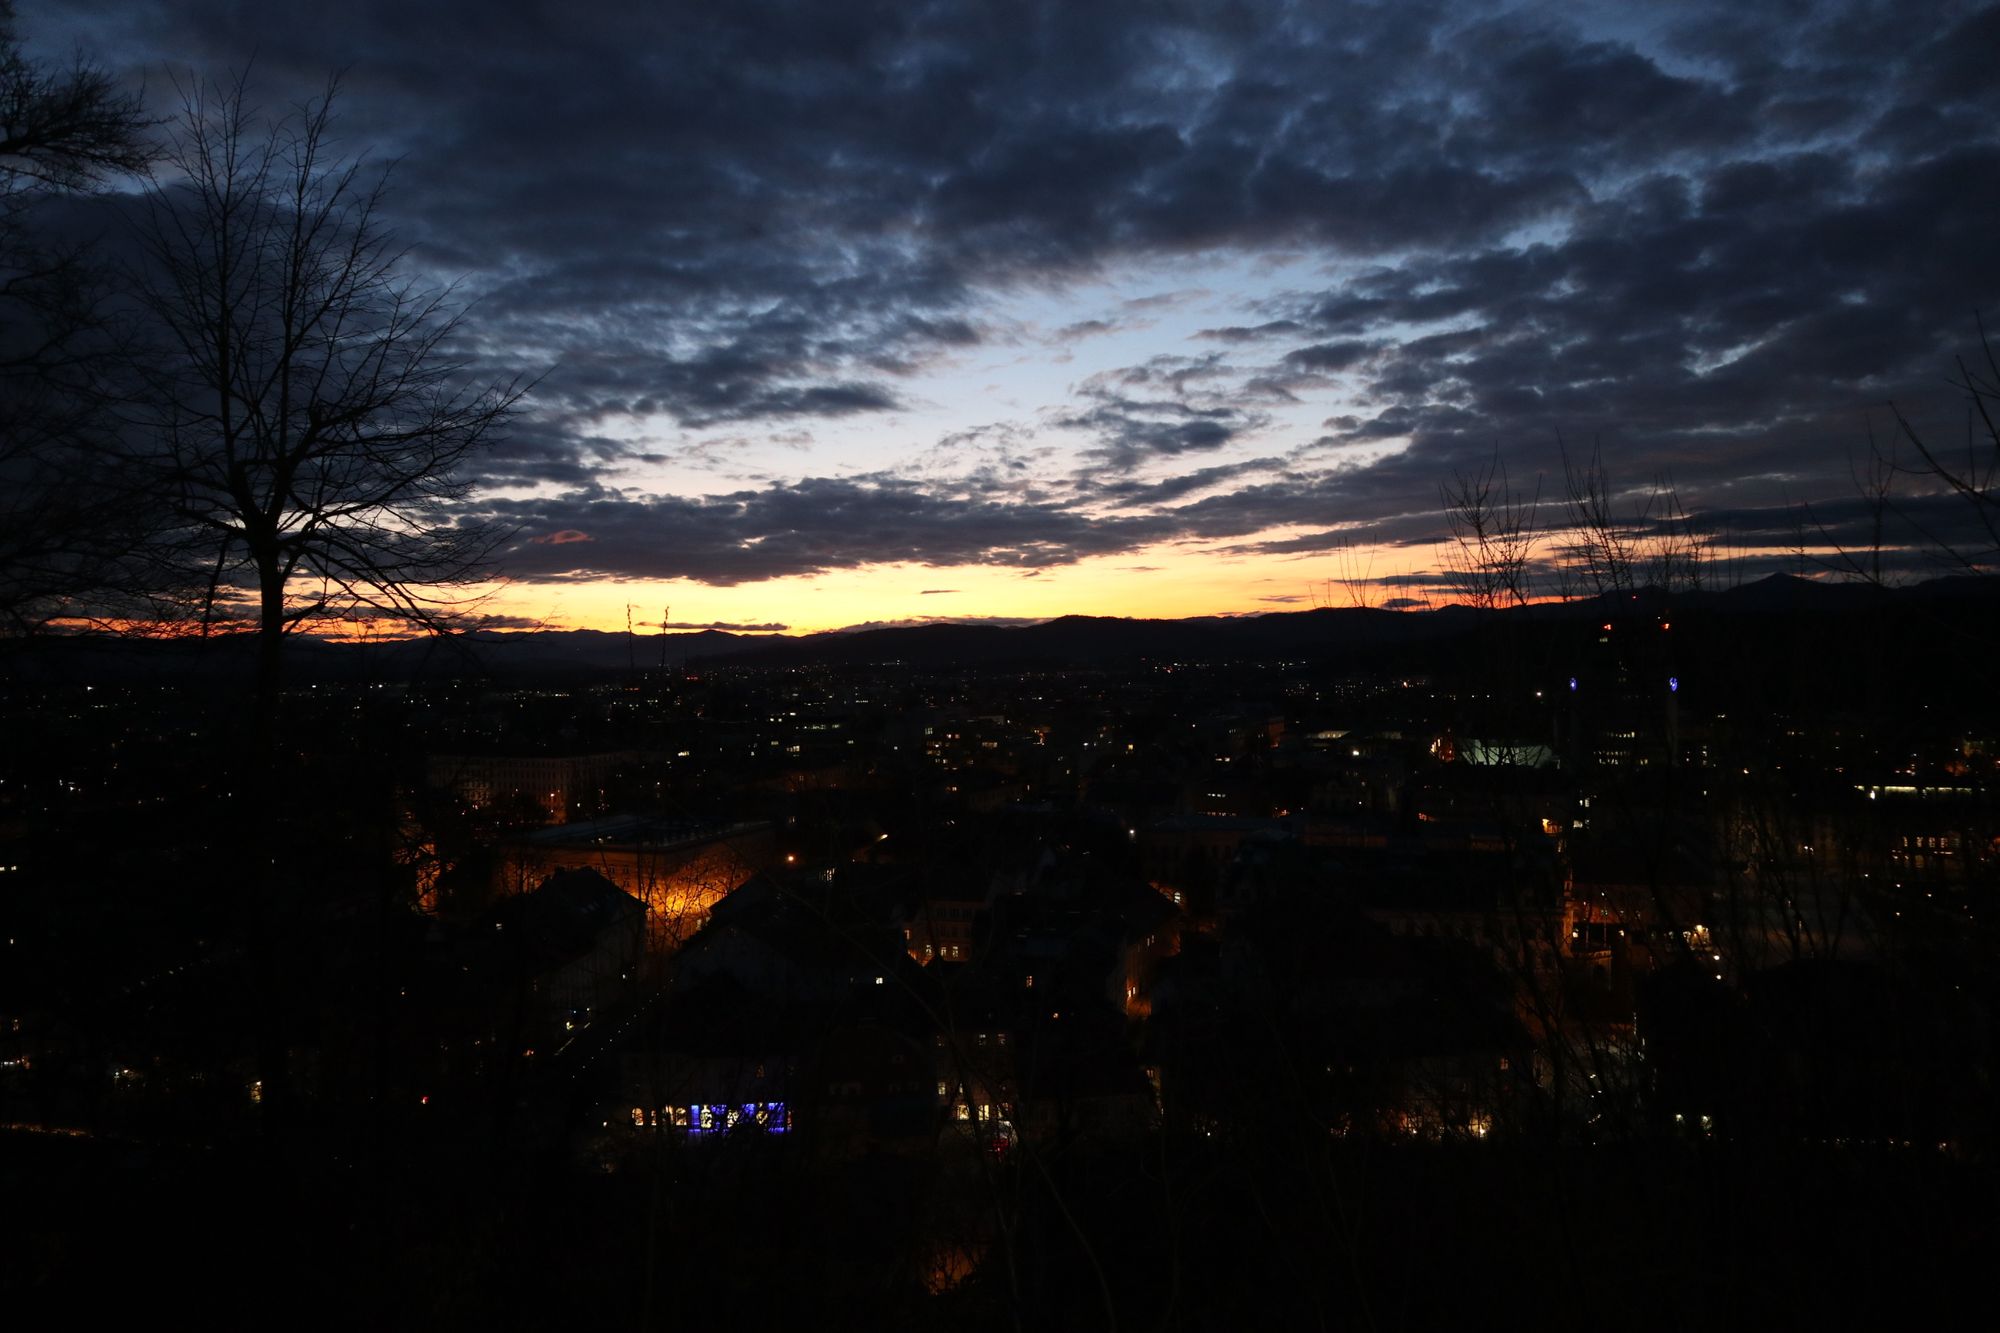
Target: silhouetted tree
[1493,536]
[1949,510]
[312,414]
[308,419]
[1976,480]
[67,531]
[1656,543]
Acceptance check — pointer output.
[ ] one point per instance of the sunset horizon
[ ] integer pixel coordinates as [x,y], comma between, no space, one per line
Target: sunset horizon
[896,313]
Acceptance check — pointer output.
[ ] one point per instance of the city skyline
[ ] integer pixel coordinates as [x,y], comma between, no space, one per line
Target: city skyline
[871,315]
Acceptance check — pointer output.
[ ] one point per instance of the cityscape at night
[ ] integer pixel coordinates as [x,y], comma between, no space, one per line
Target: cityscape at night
[1000,666]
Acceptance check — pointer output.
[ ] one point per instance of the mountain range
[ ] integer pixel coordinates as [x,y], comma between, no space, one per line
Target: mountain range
[1319,634]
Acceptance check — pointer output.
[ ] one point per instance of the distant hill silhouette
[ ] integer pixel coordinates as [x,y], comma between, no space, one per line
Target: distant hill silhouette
[1322,634]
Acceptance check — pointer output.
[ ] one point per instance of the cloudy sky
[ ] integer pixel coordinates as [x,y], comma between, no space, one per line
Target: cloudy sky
[861,312]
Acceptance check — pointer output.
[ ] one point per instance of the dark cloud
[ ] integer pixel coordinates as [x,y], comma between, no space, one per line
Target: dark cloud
[801,528]
[1710,244]
[908,622]
[1238,333]
[1328,356]
[725,217]
[1731,320]
[1169,406]
[727,626]
[1085,328]
[502,622]
[1128,492]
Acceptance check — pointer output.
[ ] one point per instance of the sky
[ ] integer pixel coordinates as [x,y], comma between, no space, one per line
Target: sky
[851,313]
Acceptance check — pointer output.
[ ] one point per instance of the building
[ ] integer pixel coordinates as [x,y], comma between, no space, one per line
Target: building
[680,869]
[564,786]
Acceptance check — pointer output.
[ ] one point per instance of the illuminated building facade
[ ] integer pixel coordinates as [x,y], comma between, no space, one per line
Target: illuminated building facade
[678,869]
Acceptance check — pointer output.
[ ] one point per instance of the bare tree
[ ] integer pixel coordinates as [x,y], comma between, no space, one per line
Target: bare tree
[66,531]
[1655,543]
[312,414]
[304,409]
[63,128]
[1601,549]
[1976,479]
[1874,487]
[1493,534]
[1352,584]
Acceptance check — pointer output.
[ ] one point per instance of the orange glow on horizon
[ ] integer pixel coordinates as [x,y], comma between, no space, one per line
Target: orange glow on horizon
[1167,583]
[377,630]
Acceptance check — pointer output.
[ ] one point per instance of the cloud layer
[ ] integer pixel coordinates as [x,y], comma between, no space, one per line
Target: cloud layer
[1710,246]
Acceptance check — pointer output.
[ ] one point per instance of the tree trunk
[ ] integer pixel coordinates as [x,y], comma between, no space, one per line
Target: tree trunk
[264,884]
